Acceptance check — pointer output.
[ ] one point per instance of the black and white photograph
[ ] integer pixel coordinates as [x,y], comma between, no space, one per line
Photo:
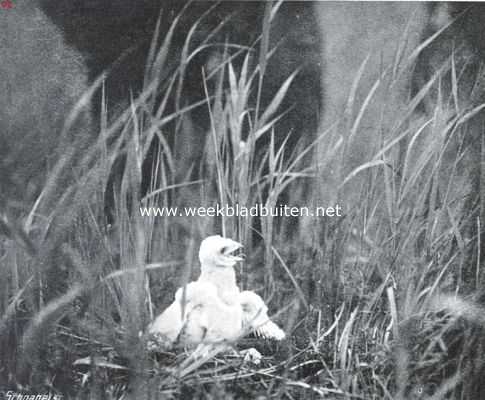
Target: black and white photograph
[254,200]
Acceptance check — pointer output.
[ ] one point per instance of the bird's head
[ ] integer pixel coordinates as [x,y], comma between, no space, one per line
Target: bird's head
[255,317]
[218,251]
[255,312]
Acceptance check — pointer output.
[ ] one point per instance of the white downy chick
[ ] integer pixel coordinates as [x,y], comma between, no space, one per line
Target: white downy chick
[255,317]
[195,317]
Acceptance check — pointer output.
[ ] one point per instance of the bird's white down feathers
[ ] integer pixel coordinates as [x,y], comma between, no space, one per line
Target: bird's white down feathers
[217,261]
[256,319]
[199,316]
[195,317]
[212,309]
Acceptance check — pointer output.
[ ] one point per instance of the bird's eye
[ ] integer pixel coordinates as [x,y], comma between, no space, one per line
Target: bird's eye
[224,249]
[246,307]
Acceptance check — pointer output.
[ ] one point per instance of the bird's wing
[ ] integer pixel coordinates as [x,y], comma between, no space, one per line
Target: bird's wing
[173,324]
[196,326]
[255,317]
[166,328]
[269,330]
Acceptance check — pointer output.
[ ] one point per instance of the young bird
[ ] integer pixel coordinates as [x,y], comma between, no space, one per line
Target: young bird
[255,317]
[217,266]
[198,316]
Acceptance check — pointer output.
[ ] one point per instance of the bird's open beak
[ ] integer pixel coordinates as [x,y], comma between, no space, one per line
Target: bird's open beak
[231,248]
